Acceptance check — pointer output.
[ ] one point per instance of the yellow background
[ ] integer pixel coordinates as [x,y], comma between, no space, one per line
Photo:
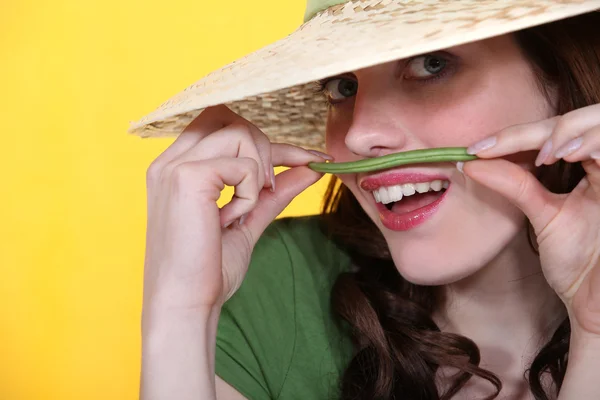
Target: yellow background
[72,213]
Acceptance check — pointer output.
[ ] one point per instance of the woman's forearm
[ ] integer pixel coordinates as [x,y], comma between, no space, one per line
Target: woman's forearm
[582,379]
[178,353]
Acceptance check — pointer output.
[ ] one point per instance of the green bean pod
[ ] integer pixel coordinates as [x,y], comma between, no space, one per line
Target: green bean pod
[440,154]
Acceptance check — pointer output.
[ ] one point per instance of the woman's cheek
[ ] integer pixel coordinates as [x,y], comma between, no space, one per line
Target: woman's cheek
[363,198]
[339,121]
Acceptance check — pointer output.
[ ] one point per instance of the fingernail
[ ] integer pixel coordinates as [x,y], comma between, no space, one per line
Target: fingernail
[459,166]
[544,153]
[569,147]
[482,145]
[595,155]
[272,179]
[319,154]
[242,219]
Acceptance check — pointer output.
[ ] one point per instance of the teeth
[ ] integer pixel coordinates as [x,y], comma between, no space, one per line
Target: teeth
[394,193]
[436,185]
[422,187]
[408,189]
[377,196]
[384,196]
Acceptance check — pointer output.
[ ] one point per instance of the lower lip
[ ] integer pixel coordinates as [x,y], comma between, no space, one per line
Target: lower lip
[409,220]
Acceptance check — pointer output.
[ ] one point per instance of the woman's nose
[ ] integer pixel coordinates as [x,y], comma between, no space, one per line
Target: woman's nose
[377,128]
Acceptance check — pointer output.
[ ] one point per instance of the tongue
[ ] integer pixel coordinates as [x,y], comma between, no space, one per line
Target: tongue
[415,201]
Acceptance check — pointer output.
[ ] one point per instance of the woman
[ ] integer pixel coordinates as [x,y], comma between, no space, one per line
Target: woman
[427,281]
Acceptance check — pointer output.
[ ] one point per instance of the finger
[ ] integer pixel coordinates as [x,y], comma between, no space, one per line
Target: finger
[569,127]
[194,189]
[293,156]
[241,173]
[220,117]
[211,119]
[515,139]
[263,146]
[584,147]
[592,169]
[518,186]
[233,141]
[290,184]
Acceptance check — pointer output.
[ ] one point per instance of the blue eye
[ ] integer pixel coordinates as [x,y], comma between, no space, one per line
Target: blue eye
[425,66]
[340,89]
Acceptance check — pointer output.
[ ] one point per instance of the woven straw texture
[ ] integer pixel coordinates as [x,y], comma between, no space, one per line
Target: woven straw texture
[273,87]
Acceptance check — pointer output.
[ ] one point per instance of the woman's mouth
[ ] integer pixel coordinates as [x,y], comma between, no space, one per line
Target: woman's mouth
[403,206]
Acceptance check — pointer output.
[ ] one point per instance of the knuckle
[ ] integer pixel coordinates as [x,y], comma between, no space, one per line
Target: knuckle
[153,173]
[250,164]
[253,200]
[508,131]
[197,179]
[179,172]
[522,190]
[241,130]
[565,122]
[183,173]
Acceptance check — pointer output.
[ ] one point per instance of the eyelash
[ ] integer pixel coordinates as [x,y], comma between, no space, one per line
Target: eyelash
[321,86]
[322,83]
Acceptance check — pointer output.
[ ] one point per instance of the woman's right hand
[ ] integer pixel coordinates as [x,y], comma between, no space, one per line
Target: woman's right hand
[197,254]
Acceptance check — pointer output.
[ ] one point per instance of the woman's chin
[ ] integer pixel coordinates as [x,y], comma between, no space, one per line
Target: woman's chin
[435,272]
[453,252]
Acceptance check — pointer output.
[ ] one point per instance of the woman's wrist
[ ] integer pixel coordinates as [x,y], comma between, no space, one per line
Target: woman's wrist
[581,378]
[155,316]
[178,352]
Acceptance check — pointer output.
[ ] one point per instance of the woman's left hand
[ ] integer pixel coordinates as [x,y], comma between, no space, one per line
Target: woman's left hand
[567,225]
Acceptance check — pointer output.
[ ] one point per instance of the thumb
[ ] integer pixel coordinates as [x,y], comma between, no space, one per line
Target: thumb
[289,184]
[519,186]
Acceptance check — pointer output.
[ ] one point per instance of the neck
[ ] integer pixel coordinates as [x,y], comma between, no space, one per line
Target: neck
[507,308]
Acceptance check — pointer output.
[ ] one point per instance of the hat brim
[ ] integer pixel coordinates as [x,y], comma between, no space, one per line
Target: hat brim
[274,86]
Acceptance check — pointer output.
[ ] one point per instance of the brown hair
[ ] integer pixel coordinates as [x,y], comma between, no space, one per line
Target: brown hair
[398,347]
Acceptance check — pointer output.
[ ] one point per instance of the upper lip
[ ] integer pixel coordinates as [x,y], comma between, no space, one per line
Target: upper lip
[391,178]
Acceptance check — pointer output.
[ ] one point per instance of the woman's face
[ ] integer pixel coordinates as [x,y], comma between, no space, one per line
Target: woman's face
[444,99]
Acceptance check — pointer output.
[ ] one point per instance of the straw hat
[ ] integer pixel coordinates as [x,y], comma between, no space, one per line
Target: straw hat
[273,87]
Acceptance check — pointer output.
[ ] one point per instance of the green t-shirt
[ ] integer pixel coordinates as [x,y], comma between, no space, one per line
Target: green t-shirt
[277,337]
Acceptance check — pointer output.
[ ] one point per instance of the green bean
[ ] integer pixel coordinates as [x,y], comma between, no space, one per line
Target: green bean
[439,154]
